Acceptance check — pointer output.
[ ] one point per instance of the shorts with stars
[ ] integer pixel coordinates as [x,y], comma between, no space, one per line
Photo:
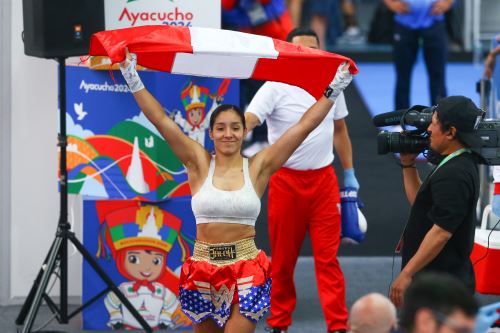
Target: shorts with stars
[208,289]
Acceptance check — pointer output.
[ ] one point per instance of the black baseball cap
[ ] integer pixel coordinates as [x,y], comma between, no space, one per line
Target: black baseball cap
[461,113]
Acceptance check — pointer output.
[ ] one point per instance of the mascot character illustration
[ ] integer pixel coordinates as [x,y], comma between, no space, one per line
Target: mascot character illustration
[139,238]
[194,99]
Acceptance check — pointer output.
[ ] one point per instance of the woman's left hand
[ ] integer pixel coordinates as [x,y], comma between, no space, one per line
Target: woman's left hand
[341,80]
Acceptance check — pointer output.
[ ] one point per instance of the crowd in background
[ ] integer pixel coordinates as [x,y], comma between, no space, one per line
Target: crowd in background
[336,23]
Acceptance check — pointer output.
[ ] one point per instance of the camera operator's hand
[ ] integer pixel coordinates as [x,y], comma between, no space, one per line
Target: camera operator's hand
[408,160]
[399,287]
[129,72]
[341,80]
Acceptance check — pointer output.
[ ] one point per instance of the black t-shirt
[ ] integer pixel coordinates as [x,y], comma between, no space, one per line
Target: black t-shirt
[447,198]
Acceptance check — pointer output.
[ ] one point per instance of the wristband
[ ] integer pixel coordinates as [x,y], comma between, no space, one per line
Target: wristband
[328,92]
[130,74]
[413,166]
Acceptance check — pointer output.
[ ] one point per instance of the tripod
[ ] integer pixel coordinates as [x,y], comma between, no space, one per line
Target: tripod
[58,253]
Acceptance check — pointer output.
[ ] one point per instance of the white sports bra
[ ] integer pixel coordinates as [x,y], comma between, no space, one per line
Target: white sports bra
[211,204]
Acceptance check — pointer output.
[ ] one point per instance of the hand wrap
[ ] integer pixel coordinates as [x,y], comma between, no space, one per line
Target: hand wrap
[341,80]
[130,74]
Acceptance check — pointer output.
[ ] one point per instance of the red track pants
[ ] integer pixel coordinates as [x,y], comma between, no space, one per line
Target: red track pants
[301,201]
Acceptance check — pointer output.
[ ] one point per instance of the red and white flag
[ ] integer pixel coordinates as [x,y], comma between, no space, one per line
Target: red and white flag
[222,54]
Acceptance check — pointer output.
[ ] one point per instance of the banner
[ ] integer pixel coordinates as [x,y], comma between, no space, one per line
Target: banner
[142,248]
[114,152]
[187,13]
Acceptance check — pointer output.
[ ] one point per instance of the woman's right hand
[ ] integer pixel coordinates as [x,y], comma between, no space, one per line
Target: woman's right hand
[130,59]
[129,72]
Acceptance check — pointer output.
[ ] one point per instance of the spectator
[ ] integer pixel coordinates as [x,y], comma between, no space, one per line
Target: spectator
[324,20]
[490,61]
[295,9]
[419,22]
[438,303]
[372,313]
[352,32]
[489,68]
[261,17]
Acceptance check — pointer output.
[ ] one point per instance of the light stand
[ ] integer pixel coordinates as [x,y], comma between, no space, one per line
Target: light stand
[58,253]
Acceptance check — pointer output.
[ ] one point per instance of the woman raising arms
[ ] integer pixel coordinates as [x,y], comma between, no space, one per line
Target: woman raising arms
[227,279]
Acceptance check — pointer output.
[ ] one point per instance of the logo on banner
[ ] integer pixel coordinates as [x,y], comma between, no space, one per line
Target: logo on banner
[103,87]
[174,17]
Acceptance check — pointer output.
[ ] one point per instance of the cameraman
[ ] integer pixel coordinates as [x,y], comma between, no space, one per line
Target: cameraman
[439,234]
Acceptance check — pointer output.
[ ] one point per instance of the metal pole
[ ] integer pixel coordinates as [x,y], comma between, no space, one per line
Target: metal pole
[64,225]
[484,88]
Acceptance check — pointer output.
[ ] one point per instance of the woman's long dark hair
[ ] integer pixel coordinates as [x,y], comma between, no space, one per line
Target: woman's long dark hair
[224,108]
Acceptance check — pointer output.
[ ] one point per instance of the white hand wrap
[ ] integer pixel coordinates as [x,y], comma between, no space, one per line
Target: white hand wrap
[130,73]
[341,80]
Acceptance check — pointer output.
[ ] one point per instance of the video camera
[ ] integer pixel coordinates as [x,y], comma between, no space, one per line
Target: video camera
[417,140]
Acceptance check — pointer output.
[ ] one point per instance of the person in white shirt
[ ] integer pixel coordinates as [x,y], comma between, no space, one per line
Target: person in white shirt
[304,195]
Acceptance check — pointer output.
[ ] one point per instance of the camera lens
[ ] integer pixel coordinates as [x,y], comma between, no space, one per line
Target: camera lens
[395,142]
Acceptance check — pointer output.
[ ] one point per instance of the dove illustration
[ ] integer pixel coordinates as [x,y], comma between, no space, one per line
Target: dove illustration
[72,147]
[78,107]
[149,142]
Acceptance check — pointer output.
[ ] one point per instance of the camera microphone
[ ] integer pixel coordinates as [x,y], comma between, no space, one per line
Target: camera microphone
[389,118]
[418,116]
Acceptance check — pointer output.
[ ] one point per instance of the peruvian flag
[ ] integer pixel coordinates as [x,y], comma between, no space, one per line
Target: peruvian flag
[222,54]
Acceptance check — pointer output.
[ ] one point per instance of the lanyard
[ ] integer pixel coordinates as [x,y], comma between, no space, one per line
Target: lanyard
[449,157]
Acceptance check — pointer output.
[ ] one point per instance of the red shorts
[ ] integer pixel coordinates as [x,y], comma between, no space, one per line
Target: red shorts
[208,287]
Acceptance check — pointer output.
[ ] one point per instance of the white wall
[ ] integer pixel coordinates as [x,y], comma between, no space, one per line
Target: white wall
[5,75]
[34,195]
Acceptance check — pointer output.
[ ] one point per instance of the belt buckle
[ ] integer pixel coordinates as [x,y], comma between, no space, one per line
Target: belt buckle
[222,252]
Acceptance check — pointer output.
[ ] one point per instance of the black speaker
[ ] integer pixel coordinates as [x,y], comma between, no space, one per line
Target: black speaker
[60,28]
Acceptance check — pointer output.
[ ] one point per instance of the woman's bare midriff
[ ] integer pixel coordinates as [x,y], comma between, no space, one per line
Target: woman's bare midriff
[223,232]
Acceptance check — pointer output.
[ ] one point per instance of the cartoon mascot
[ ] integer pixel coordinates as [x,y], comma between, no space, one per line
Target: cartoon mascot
[194,99]
[139,238]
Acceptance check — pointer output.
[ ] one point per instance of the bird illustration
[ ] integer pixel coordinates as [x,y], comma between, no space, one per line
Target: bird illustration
[72,147]
[149,142]
[78,107]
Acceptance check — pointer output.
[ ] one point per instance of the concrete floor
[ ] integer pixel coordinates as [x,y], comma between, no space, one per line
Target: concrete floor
[362,274]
